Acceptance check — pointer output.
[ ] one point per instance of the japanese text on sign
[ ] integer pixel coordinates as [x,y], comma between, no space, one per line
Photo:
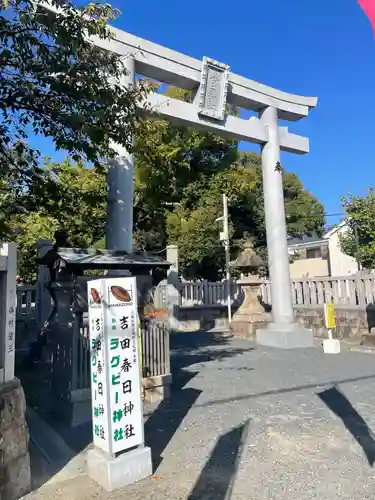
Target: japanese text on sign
[115,366]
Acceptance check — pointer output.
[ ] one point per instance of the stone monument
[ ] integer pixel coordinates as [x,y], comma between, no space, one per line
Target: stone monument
[15,475]
[251,315]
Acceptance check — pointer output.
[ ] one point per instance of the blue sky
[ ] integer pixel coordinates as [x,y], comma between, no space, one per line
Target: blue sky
[324,48]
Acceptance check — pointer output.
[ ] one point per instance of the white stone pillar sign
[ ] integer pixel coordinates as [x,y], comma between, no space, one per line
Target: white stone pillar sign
[8,285]
[117,408]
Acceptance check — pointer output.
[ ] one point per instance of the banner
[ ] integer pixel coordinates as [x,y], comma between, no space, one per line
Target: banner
[369,8]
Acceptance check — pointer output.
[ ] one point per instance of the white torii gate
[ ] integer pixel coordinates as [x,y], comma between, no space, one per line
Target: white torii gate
[213,86]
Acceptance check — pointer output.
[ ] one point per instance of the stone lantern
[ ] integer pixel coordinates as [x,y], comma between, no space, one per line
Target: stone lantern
[251,315]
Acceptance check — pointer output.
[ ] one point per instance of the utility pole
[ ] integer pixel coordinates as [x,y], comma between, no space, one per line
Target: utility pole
[356,245]
[224,237]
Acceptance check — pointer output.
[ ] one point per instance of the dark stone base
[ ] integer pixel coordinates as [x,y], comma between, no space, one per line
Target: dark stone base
[76,411]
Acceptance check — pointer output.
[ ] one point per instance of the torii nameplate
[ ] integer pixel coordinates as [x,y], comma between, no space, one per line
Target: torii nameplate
[213,89]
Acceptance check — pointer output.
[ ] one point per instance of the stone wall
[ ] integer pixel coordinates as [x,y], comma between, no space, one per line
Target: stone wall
[350,323]
[199,317]
[15,476]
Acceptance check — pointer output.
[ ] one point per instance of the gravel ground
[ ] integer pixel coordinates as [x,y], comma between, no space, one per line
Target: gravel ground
[255,423]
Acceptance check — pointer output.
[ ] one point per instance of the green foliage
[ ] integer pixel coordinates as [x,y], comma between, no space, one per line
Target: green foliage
[81,211]
[197,234]
[174,164]
[180,176]
[359,241]
[55,83]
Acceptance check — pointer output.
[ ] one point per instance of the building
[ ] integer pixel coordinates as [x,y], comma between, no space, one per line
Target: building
[340,263]
[317,256]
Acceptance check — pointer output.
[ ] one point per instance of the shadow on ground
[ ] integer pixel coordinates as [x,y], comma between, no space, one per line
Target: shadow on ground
[187,349]
[53,446]
[193,348]
[218,475]
[164,421]
[340,406]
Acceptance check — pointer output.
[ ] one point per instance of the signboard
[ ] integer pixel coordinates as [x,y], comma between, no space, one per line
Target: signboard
[213,89]
[8,251]
[329,316]
[115,364]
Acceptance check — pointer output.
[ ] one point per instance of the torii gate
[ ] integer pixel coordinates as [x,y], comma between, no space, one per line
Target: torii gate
[213,86]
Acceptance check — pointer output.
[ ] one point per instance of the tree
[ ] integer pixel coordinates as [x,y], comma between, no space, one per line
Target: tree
[173,165]
[180,175]
[82,213]
[359,241]
[197,234]
[54,82]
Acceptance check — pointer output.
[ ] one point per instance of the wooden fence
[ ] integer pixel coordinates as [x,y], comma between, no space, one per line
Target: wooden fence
[347,291]
[344,291]
[71,355]
[207,293]
[155,348]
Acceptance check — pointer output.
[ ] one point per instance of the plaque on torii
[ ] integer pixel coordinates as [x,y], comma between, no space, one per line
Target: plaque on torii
[213,89]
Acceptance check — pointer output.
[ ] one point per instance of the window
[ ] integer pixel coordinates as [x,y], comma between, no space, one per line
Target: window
[313,253]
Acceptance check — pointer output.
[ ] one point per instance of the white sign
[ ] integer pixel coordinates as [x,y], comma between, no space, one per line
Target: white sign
[8,252]
[115,369]
[213,89]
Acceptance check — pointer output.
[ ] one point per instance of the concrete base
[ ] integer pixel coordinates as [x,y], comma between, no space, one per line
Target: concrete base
[331,346]
[291,336]
[368,340]
[115,473]
[157,387]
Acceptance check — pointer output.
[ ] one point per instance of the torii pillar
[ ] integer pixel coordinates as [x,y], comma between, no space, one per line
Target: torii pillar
[119,230]
[283,332]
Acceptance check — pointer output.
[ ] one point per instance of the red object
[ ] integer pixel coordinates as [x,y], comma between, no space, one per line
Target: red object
[369,8]
[95,296]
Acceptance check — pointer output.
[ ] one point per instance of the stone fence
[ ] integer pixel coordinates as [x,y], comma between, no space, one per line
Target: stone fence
[202,304]
[352,296]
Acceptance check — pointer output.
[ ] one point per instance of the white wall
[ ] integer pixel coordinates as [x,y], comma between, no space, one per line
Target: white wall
[311,268]
[341,264]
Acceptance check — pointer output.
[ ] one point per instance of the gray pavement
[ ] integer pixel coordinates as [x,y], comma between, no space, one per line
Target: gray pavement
[255,423]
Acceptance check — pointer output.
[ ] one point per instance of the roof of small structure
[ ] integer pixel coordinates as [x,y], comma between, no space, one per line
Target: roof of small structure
[248,257]
[89,258]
